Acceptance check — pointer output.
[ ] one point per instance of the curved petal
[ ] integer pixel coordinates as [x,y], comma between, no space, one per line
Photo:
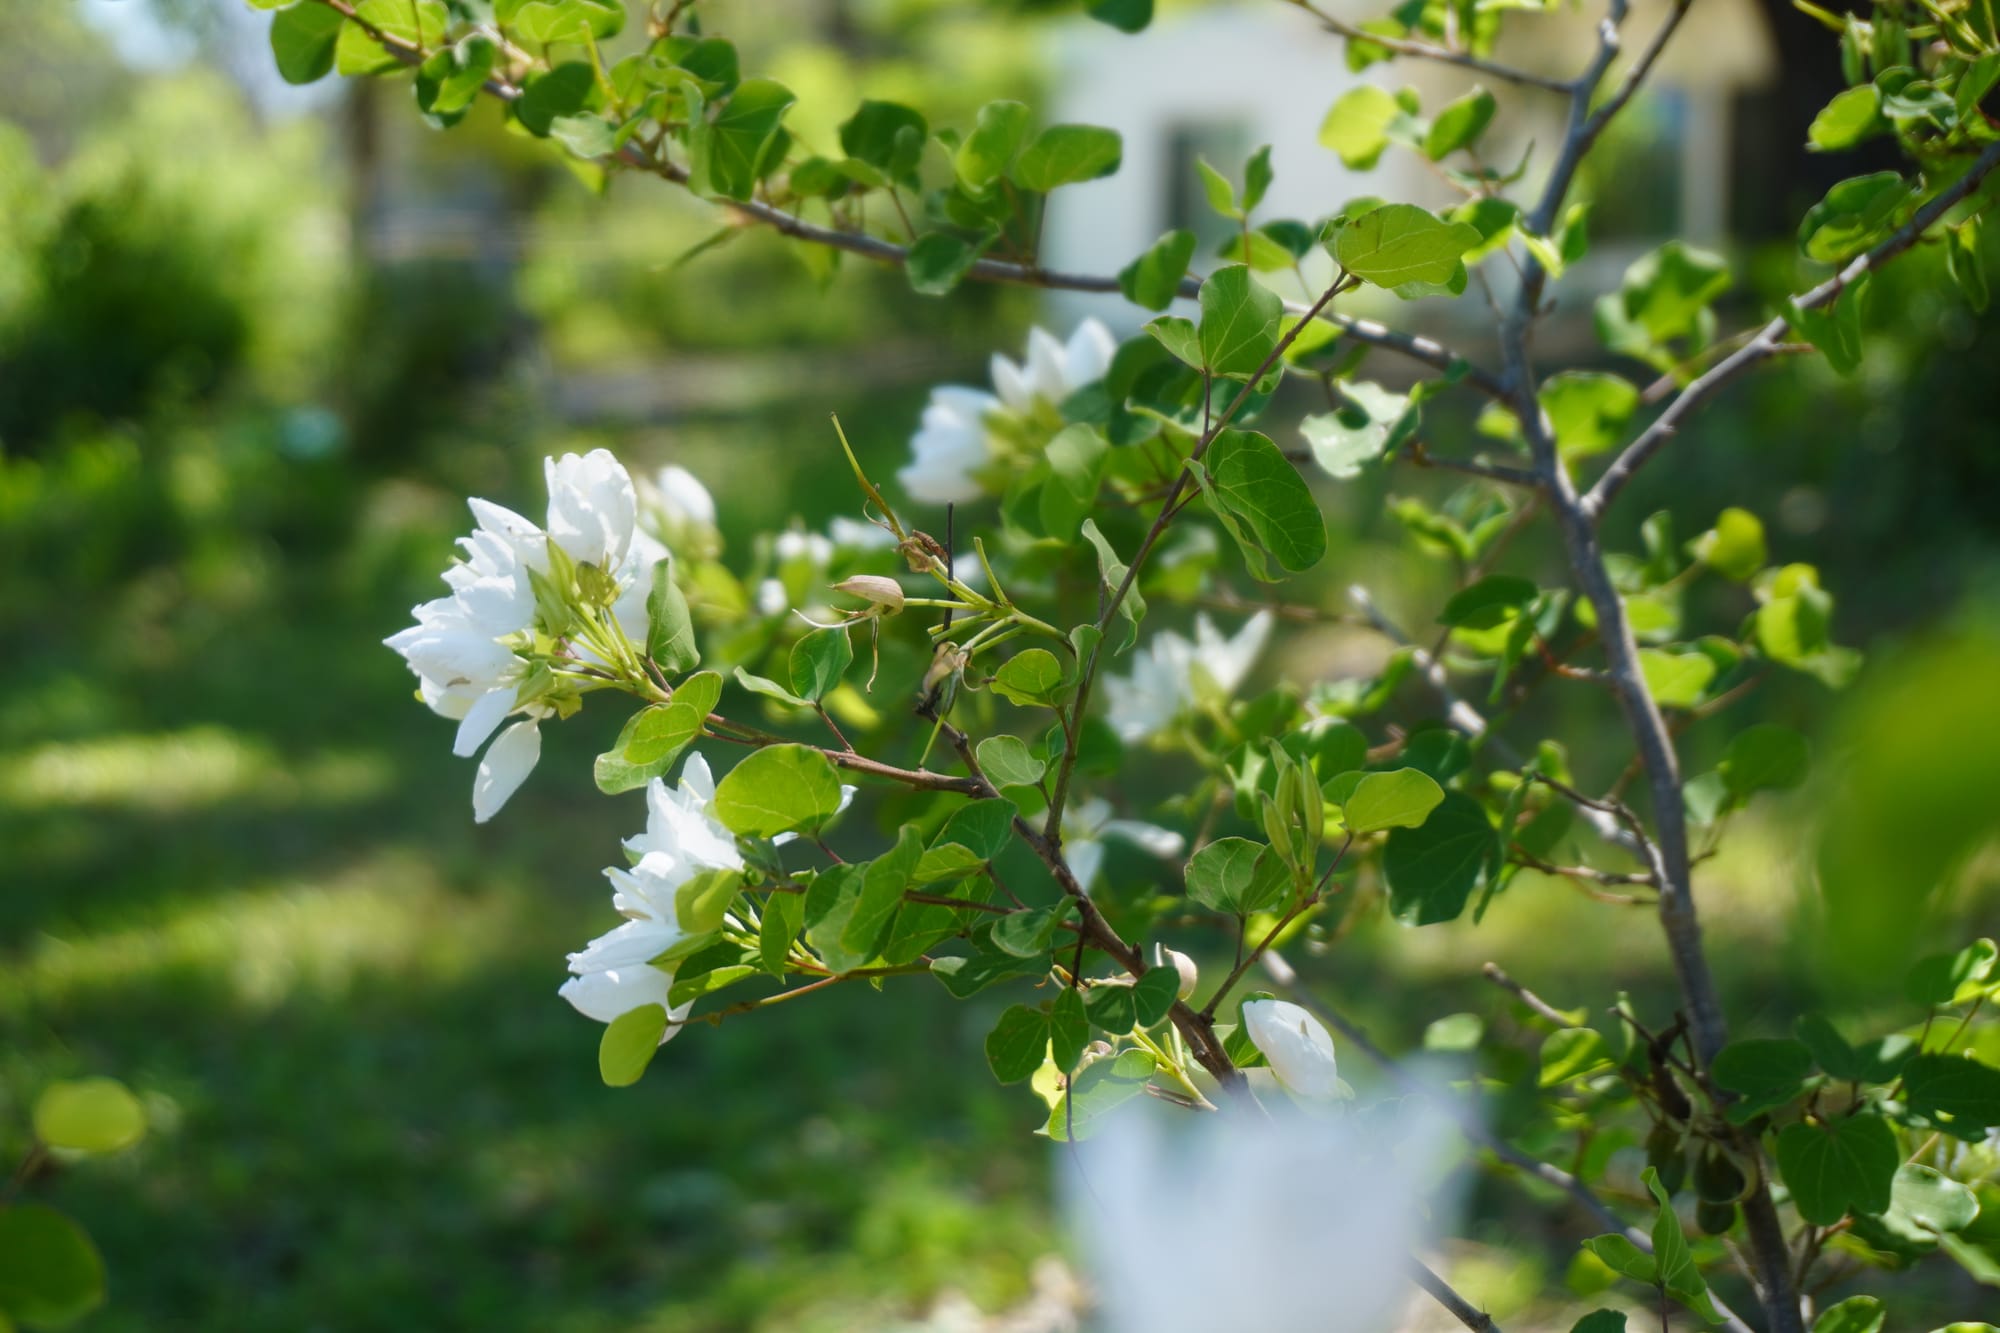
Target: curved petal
[486,713]
[506,765]
[1299,1048]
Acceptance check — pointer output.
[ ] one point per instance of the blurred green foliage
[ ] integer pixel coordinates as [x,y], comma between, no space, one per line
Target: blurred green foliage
[229,447]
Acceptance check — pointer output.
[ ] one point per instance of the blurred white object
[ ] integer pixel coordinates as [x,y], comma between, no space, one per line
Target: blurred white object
[1289,1222]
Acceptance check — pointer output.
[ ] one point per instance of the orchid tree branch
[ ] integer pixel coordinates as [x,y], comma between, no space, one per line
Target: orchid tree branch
[1443,55]
[1769,340]
[1770,1252]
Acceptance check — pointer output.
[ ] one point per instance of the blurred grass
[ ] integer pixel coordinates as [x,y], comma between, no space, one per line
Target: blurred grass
[243,877]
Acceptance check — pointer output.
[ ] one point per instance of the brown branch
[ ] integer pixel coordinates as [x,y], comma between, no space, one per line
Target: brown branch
[1443,55]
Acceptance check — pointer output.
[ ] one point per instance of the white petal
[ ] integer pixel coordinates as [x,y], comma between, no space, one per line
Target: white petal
[686,498]
[488,712]
[1013,384]
[1148,838]
[1045,365]
[1299,1048]
[629,945]
[506,765]
[1088,354]
[606,995]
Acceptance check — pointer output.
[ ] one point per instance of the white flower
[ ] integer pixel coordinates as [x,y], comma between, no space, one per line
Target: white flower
[680,830]
[615,972]
[1086,824]
[849,534]
[1162,683]
[593,508]
[1298,1046]
[955,442]
[1310,1222]
[467,669]
[680,511]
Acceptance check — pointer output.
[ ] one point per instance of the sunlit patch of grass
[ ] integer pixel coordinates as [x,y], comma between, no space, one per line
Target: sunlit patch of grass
[387,913]
[177,771]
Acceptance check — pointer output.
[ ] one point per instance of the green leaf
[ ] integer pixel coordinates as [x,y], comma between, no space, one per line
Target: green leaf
[1111,573]
[1955,1091]
[1032,677]
[50,1273]
[1261,499]
[302,41]
[1179,336]
[1856,1314]
[669,630]
[1153,280]
[1007,762]
[1029,934]
[727,154]
[989,149]
[653,738]
[1572,1054]
[1257,178]
[1600,1321]
[1766,1074]
[1124,15]
[984,826]
[1836,329]
[938,261]
[1963,262]
[1734,547]
[784,916]
[1588,410]
[1666,293]
[1853,216]
[1677,680]
[1066,154]
[629,1044]
[967,976]
[778,789]
[1401,243]
[1153,995]
[1493,601]
[1459,124]
[1403,798]
[451,78]
[89,1115]
[1622,1256]
[702,901]
[1370,421]
[1849,119]
[819,660]
[1677,1270]
[1240,320]
[1838,1168]
[883,882]
[1076,459]
[887,135]
[1237,876]
[1952,978]
[1432,869]
[1221,194]
[1096,1092]
[561,91]
[770,689]
[1765,757]
[1069,1029]
[1018,1043]
[1357,125]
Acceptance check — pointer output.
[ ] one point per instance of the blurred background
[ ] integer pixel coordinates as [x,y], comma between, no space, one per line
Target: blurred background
[256,345]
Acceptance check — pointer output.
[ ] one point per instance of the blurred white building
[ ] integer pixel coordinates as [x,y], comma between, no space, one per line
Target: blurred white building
[1218,82]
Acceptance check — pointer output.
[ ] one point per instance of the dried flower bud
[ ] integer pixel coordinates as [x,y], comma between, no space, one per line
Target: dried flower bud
[883,592]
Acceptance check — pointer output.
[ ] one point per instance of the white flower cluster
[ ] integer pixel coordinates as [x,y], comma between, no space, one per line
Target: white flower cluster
[1162,685]
[466,647]
[962,429]
[614,974]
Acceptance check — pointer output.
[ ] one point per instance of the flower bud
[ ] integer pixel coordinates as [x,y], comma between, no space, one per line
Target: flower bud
[1298,1047]
[884,593]
[1181,963]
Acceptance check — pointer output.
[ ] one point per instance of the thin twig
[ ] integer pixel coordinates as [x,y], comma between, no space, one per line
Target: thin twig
[1443,55]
